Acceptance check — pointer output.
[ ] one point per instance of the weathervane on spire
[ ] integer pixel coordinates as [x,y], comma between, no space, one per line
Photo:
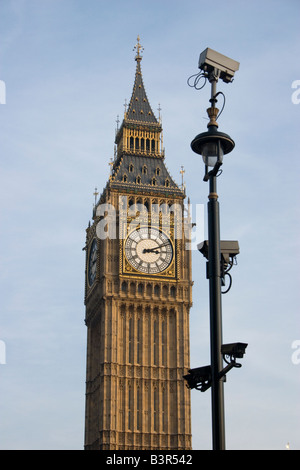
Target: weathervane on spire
[138,49]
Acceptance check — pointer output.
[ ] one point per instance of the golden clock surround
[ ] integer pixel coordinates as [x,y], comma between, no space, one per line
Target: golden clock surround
[170,272]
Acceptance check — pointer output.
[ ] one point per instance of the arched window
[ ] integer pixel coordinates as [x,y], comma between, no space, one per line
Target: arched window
[144,170]
[131,202]
[132,288]
[156,290]
[140,289]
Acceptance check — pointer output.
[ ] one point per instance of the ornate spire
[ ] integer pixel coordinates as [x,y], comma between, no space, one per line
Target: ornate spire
[139,158]
[139,109]
[140,132]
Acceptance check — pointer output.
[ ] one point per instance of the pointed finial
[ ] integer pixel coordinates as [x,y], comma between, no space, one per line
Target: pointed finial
[182,171]
[138,49]
[111,164]
[96,194]
[159,110]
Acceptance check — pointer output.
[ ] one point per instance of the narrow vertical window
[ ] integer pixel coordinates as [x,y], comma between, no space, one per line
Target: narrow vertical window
[163,343]
[140,289]
[156,410]
[139,341]
[130,342]
[130,409]
[155,342]
[164,411]
[139,410]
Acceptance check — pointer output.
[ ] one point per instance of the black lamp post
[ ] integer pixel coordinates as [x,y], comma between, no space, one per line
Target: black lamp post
[213,145]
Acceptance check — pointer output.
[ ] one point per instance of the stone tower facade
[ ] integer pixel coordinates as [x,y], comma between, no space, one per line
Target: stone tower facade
[138,295]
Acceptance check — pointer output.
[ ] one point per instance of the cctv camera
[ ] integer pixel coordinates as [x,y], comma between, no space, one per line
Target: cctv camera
[234,350]
[199,378]
[229,249]
[210,60]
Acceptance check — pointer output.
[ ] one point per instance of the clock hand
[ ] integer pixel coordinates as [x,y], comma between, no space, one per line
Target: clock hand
[151,250]
[164,244]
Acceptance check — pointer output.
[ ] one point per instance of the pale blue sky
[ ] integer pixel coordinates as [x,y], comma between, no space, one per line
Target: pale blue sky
[68,66]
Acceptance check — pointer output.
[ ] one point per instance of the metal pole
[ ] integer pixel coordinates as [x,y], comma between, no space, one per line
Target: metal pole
[214,255]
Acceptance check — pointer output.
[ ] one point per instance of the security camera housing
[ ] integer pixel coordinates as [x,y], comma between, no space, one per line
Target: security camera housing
[229,249]
[236,350]
[199,378]
[210,60]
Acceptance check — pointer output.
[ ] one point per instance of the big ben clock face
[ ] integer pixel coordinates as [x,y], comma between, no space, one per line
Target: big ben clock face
[92,264]
[148,250]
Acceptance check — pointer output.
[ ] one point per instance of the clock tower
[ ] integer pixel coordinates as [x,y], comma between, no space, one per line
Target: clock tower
[138,294]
